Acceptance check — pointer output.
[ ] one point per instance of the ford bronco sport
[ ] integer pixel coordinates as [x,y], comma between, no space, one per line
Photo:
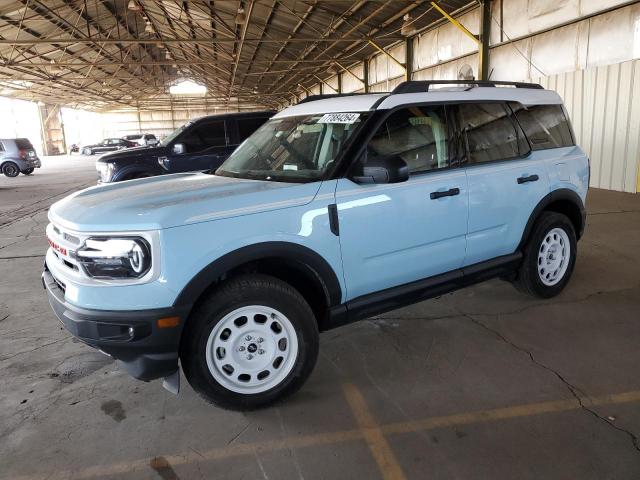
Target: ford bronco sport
[333,211]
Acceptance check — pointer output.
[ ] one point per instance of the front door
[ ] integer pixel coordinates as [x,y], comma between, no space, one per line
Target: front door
[205,148]
[393,234]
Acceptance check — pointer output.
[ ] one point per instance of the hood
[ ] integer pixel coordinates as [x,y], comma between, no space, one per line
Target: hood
[174,200]
[131,153]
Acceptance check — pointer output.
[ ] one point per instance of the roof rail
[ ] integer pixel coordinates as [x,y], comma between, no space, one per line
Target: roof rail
[421,86]
[312,98]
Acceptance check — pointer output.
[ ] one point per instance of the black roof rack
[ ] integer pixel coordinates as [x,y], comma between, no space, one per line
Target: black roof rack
[313,98]
[421,86]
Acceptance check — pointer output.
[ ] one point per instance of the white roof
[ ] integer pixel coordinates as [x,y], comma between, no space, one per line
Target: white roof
[363,103]
[351,103]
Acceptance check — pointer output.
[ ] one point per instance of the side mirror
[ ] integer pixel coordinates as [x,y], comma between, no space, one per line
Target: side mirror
[389,169]
[179,148]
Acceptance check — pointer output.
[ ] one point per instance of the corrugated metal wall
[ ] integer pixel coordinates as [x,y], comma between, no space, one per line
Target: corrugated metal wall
[604,105]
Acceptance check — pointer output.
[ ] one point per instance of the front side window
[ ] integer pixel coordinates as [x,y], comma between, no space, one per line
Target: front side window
[490,133]
[293,149]
[418,135]
[546,126]
[204,135]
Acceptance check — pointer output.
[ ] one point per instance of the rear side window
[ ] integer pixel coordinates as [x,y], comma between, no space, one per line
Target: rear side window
[418,135]
[24,144]
[246,126]
[546,126]
[491,134]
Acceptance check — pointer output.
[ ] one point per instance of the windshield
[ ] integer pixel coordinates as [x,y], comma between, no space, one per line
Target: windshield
[293,149]
[173,135]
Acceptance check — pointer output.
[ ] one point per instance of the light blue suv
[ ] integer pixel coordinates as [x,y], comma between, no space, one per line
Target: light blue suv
[335,210]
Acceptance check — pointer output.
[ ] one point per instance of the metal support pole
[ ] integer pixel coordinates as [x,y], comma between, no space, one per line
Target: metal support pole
[483,46]
[365,74]
[339,82]
[408,59]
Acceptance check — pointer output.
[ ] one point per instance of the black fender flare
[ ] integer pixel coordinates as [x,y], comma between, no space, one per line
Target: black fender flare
[555,196]
[261,251]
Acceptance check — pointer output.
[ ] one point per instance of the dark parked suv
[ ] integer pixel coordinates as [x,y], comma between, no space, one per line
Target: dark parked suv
[201,144]
[17,155]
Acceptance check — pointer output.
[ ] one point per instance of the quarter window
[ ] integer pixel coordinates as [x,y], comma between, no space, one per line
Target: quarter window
[546,126]
[418,135]
[489,132]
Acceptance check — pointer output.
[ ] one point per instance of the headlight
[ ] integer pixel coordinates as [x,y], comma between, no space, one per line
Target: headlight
[114,258]
[105,169]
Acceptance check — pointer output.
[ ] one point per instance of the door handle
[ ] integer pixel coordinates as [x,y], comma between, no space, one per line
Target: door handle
[447,193]
[530,178]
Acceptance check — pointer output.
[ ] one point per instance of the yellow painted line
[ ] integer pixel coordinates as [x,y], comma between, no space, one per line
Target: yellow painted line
[382,453]
[366,424]
[506,413]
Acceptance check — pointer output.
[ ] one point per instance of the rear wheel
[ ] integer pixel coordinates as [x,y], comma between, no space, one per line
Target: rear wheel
[549,256]
[250,343]
[28,171]
[10,169]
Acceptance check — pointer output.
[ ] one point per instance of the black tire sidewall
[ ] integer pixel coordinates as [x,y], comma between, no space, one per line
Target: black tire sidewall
[10,170]
[547,222]
[28,171]
[224,301]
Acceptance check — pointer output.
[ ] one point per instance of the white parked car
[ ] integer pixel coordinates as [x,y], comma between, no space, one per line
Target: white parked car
[143,139]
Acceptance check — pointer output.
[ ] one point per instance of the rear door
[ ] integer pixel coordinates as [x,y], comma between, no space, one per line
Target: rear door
[506,181]
[393,234]
[206,147]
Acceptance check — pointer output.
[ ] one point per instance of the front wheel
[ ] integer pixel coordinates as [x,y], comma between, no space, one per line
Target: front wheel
[87,151]
[250,343]
[549,256]
[28,171]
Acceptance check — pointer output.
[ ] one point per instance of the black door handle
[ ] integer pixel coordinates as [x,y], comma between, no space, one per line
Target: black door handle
[530,178]
[447,193]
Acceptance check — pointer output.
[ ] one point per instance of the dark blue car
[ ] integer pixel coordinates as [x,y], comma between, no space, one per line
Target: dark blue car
[201,144]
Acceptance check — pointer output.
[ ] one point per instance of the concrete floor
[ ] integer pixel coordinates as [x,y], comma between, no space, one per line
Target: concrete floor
[482,383]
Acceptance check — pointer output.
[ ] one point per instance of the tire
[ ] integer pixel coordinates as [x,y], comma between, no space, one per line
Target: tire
[547,265]
[10,169]
[265,305]
[87,151]
[28,171]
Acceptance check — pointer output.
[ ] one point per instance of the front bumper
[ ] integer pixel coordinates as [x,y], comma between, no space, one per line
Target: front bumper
[132,337]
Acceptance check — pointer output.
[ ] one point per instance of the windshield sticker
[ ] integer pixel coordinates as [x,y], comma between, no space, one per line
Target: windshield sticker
[347,118]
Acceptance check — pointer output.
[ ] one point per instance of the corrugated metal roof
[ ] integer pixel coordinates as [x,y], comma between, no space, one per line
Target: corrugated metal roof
[101,54]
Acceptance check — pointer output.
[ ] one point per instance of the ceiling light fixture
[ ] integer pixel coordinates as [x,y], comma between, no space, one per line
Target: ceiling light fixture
[407,29]
[134,6]
[148,28]
[241,18]
[188,88]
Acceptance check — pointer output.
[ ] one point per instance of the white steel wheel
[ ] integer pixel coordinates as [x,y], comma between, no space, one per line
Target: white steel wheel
[252,349]
[553,256]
